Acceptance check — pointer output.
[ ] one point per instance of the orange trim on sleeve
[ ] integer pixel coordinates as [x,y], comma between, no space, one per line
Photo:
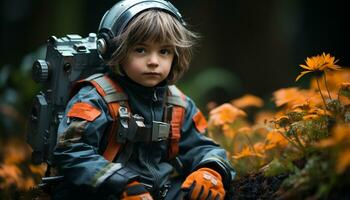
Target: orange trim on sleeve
[84,111]
[200,122]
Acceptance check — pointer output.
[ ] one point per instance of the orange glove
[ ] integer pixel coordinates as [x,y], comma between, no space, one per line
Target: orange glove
[135,191]
[204,184]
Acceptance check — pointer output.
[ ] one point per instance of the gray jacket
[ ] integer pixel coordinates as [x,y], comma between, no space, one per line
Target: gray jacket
[78,156]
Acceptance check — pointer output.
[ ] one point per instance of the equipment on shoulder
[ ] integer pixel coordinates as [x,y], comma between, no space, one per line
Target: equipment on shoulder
[68,59]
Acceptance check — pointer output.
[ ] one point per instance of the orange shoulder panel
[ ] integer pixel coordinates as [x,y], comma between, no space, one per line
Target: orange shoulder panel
[200,122]
[84,111]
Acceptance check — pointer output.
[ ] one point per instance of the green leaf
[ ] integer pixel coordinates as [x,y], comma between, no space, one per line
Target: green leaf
[276,167]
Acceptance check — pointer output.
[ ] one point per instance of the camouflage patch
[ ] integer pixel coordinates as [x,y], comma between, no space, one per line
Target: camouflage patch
[73,133]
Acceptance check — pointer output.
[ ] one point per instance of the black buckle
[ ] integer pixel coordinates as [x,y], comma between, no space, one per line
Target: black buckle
[160,131]
[132,128]
[123,124]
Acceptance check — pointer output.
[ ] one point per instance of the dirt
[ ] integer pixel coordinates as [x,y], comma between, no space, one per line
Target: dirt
[257,187]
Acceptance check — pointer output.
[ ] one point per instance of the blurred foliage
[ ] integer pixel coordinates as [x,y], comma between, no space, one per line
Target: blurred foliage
[16,94]
[17,174]
[212,84]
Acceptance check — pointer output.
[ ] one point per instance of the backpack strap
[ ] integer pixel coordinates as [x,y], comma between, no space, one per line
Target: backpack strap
[178,101]
[114,96]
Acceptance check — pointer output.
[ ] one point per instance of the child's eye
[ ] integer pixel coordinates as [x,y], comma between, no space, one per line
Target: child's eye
[165,51]
[140,50]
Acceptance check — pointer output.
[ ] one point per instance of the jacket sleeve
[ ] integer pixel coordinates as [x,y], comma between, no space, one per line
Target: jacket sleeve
[76,154]
[197,150]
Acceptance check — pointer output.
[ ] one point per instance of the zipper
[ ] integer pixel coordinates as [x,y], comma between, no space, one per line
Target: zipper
[150,163]
[155,98]
[153,172]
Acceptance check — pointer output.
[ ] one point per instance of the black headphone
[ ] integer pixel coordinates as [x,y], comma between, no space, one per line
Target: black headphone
[118,17]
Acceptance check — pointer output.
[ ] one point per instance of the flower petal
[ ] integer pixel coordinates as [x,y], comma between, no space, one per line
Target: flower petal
[305,67]
[302,74]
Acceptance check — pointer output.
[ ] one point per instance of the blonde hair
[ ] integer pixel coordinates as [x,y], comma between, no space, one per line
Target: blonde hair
[156,26]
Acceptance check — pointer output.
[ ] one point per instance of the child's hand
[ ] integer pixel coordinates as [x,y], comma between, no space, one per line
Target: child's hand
[135,191]
[204,184]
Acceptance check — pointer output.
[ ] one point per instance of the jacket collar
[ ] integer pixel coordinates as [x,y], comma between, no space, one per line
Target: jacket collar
[133,89]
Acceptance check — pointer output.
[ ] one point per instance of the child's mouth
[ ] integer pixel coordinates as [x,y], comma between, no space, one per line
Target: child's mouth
[152,74]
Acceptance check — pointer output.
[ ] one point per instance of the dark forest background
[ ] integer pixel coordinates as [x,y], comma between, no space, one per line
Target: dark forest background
[247,46]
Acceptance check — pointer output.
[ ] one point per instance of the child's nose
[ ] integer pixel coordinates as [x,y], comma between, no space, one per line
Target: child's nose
[153,60]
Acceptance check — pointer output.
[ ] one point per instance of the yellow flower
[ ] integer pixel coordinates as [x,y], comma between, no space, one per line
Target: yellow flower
[274,139]
[248,100]
[318,111]
[38,169]
[228,131]
[318,63]
[334,80]
[286,95]
[311,117]
[247,152]
[225,113]
[245,129]
[263,116]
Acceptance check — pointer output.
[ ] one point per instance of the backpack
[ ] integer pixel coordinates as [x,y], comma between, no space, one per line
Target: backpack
[68,59]
[71,62]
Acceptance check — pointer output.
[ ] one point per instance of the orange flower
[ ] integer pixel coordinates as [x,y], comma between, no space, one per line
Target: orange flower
[16,152]
[285,95]
[225,113]
[38,169]
[262,116]
[274,138]
[247,152]
[334,80]
[311,117]
[259,148]
[294,98]
[282,119]
[245,129]
[228,131]
[318,111]
[211,105]
[11,175]
[318,63]
[248,100]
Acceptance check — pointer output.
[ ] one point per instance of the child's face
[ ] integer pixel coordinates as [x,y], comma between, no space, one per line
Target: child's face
[149,63]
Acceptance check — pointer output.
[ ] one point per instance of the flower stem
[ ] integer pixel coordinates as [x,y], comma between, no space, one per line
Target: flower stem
[319,88]
[250,143]
[299,142]
[291,141]
[325,83]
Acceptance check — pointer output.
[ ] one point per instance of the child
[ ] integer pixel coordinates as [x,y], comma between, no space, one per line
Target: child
[152,49]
